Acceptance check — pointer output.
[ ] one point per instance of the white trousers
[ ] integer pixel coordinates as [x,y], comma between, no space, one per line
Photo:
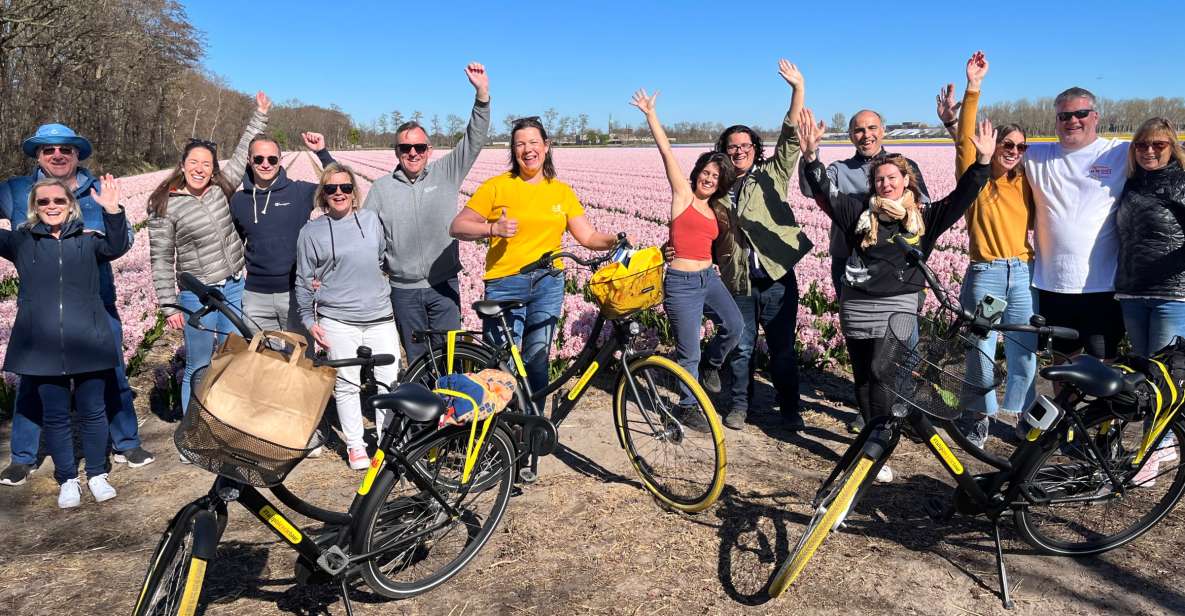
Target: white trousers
[344,340]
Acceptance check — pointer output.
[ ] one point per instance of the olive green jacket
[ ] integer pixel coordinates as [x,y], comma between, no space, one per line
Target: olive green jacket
[762,218]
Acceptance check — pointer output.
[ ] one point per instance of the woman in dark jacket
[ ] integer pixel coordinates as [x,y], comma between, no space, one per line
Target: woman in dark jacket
[884,282]
[60,339]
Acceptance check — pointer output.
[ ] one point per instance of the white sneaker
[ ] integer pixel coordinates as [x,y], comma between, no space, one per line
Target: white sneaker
[885,475]
[69,495]
[359,461]
[100,489]
[316,453]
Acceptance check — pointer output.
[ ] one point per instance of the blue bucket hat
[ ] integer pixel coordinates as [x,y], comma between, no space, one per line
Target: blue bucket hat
[56,134]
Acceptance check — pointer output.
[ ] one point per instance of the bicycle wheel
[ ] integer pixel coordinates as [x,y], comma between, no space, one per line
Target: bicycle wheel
[173,583]
[833,508]
[419,546]
[467,357]
[677,451]
[1085,514]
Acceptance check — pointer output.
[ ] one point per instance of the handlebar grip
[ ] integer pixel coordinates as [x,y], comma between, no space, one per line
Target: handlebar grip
[376,360]
[1064,333]
[189,282]
[541,262]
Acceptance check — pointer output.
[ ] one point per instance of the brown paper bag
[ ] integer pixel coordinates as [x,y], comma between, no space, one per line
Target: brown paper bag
[275,396]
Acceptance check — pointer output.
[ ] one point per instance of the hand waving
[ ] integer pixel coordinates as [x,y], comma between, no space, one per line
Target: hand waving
[313,141]
[790,73]
[108,197]
[644,102]
[476,72]
[985,141]
[262,102]
[948,108]
[977,67]
[810,134]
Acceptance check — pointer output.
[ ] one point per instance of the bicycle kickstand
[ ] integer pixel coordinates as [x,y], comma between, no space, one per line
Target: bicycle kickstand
[1001,569]
[346,597]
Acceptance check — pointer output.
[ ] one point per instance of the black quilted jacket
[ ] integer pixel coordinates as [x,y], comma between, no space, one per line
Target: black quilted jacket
[1151,222]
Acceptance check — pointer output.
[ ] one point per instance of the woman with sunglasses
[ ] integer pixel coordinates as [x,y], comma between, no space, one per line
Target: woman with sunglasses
[998,225]
[56,348]
[878,280]
[343,296]
[190,230]
[524,214]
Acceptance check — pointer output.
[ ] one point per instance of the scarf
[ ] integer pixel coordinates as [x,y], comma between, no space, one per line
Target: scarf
[904,209]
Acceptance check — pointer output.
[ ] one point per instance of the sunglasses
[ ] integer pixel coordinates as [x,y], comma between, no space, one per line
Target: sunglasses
[1019,147]
[65,150]
[406,148]
[1155,146]
[331,189]
[210,145]
[271,160]
[1064,116]
[45,201]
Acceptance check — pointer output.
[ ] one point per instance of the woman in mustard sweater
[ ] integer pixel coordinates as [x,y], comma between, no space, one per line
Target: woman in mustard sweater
[998,225]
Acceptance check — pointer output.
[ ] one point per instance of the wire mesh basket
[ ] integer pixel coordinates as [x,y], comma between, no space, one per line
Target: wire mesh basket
[622,296]
[936,371]
[219,448]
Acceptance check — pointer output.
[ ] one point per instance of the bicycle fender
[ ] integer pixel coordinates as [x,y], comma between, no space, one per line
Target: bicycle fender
[205,535]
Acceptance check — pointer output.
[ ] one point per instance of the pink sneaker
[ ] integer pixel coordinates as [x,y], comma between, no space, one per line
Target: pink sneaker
[359,461]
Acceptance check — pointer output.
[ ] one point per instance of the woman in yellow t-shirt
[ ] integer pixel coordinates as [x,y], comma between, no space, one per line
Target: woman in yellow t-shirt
[524,213]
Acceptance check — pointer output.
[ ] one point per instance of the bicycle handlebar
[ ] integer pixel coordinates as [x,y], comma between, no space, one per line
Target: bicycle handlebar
[374,360]
[547,261]
[211,299]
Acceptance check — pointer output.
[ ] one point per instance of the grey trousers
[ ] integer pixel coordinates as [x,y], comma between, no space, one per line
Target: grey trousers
[274,311]
[436,307]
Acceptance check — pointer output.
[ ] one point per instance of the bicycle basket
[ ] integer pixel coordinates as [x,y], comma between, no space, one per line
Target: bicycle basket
[222,449]
[935,373]
[621,290]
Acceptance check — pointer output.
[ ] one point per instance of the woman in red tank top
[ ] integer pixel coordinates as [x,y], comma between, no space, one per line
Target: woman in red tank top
[691,282]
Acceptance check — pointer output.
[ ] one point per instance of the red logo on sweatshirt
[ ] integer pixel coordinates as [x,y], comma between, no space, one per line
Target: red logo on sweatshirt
[1099,172]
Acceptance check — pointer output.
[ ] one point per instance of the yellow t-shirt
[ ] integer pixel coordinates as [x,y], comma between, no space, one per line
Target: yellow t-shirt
[542,211]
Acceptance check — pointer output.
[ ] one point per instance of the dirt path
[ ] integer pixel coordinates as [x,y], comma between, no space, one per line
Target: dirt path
[586,540]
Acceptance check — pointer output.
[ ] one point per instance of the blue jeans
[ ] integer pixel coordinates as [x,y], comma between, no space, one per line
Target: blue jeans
[199,345]
[686,294]
[435,307]
[533,325]
[51,394]
[772,304]
[117,395]
[1009,280]
[1152,323]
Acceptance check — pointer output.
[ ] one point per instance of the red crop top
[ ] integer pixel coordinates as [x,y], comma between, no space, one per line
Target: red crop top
[692,234]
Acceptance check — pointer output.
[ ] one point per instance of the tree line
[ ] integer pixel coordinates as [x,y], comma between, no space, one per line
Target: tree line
[1115,115]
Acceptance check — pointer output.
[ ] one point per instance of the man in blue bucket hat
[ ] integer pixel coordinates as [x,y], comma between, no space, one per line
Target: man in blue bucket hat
[58,150]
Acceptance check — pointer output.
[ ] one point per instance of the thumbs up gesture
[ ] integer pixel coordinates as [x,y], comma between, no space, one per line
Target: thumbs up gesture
[504,227]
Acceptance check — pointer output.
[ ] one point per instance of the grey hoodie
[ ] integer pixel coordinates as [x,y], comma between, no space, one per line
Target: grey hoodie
[416,215]
[344,255]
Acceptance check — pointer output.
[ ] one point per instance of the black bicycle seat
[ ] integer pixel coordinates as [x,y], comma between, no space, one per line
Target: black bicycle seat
[1087,373]
[490,309]
[412,400]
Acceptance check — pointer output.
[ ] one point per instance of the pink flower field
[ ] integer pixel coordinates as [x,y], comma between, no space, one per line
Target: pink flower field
[623,189]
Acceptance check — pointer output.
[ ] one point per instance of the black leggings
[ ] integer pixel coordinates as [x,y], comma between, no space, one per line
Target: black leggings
[871,396]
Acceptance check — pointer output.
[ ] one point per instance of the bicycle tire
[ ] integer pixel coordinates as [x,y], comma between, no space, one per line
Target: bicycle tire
[658,432]
[1070,471]
[831,511]
[173,584]
[396,510]
[467,357]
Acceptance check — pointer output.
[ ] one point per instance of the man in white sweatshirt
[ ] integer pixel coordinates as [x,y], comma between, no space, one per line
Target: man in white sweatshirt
[1075,184]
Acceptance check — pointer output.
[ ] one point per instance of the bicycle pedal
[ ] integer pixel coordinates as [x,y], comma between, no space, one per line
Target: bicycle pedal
[527,475]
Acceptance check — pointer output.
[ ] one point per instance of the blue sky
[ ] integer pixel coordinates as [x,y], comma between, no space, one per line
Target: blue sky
[711,63]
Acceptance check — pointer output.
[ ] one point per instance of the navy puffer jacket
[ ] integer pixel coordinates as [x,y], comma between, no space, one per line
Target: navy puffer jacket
[61,326]
[1151,223]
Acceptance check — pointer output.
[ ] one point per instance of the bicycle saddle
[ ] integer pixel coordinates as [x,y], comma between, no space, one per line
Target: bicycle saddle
[489,309]
[413,401]
[1090,375]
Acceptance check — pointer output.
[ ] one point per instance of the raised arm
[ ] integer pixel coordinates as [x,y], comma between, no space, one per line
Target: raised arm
[456,164]
[781,167]
[942,214]
[116,239]
[841,208]
[948,109]
[315,142]
[681,192]
[965,149]
[237,165]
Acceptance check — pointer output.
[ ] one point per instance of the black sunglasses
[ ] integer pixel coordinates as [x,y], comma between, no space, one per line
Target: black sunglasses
[65,150]
[406,148]
[271,160]
[213,147]
[1064,116]
[44,201]
[333,188]
[1009,145]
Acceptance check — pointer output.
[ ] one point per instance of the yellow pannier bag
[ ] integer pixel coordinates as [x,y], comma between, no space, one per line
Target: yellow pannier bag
[621,289]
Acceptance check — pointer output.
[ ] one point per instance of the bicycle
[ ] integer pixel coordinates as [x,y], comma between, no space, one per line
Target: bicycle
[428,503]
[677,451]
[1064,485]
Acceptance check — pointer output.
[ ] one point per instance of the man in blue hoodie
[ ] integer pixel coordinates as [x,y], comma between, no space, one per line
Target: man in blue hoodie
[58,150]
[268,213]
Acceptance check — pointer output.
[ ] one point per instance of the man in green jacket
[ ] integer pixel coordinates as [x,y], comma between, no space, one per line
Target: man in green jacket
[756,257]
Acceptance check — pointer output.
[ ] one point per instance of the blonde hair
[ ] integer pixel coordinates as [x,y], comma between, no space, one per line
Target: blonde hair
[326,173]
[1151,126]
[32,218]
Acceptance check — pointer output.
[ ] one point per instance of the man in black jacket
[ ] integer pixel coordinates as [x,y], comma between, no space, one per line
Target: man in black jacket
[268,213]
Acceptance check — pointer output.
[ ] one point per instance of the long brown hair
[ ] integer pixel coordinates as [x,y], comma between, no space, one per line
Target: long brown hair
[531,122]
[1150,127]
[158,201]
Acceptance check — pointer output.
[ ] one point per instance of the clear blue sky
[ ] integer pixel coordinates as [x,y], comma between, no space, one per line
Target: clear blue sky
[713,61]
